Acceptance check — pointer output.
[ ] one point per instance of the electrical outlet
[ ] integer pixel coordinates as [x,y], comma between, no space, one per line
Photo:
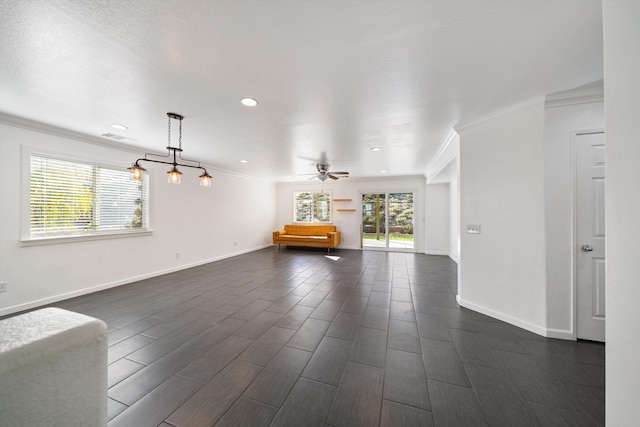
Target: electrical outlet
[177,255]
[473,228]
[3,287]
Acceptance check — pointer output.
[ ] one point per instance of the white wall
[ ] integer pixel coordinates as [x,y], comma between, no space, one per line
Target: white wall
[438,216]
[502,270]
[349,223]
[454,220]
[622,113]
[444,169]
[577,111]
[233,216]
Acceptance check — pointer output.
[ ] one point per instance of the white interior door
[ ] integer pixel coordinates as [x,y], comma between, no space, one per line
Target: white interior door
[590,233]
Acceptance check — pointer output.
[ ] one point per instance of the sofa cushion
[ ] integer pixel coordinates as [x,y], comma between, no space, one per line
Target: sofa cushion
[297,238]
[308,229]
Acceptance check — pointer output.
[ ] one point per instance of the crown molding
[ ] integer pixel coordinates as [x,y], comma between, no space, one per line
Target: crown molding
[537,102]
[574,97]
[32,125]
[449,150]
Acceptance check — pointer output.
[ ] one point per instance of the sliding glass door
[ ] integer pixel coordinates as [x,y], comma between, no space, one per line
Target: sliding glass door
[387,221]
[374,221]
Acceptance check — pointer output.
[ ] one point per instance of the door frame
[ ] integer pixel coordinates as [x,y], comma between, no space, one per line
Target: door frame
[574,225]
[386,219]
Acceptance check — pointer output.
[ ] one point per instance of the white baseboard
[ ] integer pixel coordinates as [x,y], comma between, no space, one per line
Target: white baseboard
[561,334]
[539,330]
[453,258]
[53,299]
[351,248]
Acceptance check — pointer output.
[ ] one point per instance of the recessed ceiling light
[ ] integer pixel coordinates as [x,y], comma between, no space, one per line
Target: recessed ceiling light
[383,171]
[376,148]
[249,102]
[244,161]
[118,126]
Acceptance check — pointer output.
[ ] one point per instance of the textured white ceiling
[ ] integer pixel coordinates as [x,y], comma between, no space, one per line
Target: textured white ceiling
[331,76]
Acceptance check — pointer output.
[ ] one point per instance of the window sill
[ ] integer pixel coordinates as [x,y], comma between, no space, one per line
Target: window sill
[39,241]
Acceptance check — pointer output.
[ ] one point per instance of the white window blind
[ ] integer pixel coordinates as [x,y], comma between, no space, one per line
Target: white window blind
[312,207]
[69,198]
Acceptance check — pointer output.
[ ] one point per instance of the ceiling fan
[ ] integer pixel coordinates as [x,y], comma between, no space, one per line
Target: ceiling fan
[323,170]
[324,173]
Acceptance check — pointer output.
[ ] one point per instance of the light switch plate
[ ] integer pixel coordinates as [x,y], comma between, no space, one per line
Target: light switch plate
[473,228]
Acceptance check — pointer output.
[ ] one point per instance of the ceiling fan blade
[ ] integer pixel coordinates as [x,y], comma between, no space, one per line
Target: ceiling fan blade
[307,174]
[313,177]
[331,176]
[308,159]
[340,173]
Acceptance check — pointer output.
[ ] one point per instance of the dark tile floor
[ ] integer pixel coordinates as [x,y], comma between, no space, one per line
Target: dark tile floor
[298,339]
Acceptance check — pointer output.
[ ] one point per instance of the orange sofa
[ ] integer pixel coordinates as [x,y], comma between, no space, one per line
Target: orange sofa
[325,236]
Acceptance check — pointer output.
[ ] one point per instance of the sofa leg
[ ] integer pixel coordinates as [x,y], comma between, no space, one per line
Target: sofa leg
[328,250]
[278,247]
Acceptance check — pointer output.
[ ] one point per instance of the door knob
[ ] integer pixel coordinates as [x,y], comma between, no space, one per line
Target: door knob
[586,248]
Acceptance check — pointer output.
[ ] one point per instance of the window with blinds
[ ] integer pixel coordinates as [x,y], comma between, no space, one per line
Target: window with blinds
[70,198]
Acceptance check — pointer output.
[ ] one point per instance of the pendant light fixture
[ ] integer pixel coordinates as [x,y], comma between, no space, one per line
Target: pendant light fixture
[174,154]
